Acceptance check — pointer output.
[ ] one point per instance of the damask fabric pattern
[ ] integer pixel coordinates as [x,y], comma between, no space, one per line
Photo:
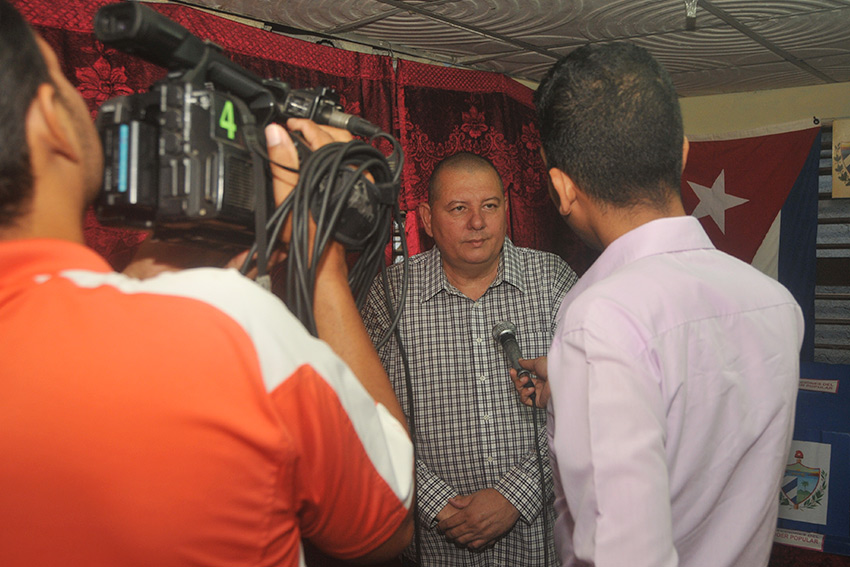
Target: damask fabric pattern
[433,111]
[471,430]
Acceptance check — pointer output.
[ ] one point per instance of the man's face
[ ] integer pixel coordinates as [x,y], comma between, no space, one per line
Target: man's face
[467,219]
[89,141]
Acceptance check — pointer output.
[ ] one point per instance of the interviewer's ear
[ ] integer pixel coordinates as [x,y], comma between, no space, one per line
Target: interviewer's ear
[563,191]
[685,147]
[50,126]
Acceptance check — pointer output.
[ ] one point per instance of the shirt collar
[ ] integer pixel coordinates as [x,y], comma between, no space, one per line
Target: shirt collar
[34,257]
[660,236]
[436,281]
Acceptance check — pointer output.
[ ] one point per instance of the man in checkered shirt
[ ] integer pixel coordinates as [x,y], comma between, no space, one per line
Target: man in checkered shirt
[479,493]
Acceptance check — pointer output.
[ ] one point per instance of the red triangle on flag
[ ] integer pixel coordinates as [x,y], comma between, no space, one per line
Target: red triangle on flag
[752,177]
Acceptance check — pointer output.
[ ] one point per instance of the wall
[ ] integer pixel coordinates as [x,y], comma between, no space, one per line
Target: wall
[716,114]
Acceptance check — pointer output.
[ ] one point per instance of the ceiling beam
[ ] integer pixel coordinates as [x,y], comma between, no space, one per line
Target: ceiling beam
[767,44]
[470,28]
[356,24]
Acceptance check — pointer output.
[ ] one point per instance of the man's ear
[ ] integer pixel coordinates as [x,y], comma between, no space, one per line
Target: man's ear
[685,147]
[425,215]
[564,189]
[49,121]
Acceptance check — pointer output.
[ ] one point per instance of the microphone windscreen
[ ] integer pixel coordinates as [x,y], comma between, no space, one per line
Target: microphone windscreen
[503,328]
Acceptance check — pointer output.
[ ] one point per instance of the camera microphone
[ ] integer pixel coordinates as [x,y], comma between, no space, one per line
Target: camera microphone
[142,31]
[354,124]
[505,333]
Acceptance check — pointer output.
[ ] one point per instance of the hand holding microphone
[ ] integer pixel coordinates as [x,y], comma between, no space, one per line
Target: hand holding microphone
[532,374]
[528,396]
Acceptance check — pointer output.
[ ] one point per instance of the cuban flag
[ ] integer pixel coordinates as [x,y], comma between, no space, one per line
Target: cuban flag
[756,195]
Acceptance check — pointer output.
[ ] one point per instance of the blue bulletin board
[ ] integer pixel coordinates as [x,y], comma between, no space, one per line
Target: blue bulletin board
[814,501]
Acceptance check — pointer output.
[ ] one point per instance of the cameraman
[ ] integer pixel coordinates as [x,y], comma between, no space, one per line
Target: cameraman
[186,419]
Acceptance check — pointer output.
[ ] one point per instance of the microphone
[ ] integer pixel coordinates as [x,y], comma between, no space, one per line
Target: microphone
[505,333]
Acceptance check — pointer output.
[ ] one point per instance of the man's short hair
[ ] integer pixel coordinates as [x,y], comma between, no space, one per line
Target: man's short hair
[22,71]
[467,161]
[610,119]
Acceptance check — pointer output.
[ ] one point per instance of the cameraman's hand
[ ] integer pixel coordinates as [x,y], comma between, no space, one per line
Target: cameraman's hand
[282,149]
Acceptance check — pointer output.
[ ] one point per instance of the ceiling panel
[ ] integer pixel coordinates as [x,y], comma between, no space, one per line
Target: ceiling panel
[735,45]
[759,10]
[837,66]
[623,19]
[810,35]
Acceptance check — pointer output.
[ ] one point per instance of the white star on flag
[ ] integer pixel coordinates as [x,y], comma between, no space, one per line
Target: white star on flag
[713,201]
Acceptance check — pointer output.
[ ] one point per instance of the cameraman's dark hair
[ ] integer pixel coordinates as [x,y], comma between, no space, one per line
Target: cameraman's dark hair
[610,119]
[22,71]
[461,160]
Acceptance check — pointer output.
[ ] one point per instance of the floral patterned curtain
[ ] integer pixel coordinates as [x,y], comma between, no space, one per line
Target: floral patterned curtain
[433,111]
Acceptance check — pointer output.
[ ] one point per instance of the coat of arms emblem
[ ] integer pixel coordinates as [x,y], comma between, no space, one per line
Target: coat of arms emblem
[802,486]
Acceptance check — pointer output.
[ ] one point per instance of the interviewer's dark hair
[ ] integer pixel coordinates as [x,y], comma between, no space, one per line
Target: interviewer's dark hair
[22,70]
[610,119]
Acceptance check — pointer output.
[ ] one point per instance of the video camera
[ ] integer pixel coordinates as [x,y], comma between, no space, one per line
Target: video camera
[188,158]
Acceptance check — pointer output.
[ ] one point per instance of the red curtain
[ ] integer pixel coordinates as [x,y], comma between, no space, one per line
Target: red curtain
[433,111]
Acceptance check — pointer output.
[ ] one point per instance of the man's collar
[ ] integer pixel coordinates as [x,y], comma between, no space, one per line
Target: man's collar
[661,236]
[510,266]
[510,271]
[26,258]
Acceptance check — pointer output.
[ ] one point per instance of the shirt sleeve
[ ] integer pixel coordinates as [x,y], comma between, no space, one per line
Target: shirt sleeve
[345,486]
[375,314]
[432,492]
[521,484]
[608,440]
[346,464]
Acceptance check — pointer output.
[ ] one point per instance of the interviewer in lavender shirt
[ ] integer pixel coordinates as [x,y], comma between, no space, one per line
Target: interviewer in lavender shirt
[673,373]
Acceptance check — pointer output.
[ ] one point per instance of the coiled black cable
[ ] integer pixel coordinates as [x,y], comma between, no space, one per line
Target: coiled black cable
[350,189]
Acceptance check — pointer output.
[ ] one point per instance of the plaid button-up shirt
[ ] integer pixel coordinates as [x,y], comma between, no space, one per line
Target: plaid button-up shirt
[472,432]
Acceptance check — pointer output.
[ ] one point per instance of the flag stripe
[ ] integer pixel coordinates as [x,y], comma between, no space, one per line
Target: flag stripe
[798,243]
[755,194]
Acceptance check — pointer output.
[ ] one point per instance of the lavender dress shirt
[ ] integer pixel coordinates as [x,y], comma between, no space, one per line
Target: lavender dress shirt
[673,375]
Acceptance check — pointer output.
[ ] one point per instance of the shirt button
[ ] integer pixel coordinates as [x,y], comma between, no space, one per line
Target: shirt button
[489,460]
[482,378]
[488,416]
